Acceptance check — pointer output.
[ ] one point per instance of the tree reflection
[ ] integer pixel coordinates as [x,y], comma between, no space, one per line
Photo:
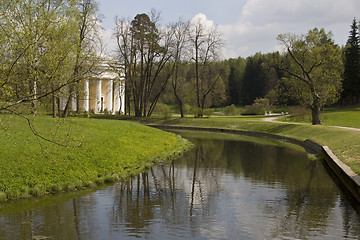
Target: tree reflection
[219,189]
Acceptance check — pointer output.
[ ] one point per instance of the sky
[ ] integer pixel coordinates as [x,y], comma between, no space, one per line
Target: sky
[246,26]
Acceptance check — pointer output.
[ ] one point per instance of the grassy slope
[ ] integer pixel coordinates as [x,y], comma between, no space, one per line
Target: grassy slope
[344,143]
[97,151]
[346,117]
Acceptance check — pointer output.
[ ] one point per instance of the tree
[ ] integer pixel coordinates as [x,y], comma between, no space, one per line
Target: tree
[236,68]
[351,81]
[36,45]
[144,50]
[313,66]
[206,44]
[87,49]
[178,79]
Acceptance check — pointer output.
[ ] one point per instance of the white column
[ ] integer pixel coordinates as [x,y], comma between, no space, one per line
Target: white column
[73,102]
[109,96]
[116,97]
[86,96]
[98,96]
[122,94]
[62,101]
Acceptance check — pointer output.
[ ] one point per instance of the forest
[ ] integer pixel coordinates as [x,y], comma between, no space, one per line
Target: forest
[50,47]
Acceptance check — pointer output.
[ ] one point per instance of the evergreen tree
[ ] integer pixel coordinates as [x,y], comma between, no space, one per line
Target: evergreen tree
[351,81]
[255,79]
[233,96]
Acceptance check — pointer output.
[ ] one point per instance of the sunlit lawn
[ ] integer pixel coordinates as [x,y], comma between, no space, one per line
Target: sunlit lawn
[92,151]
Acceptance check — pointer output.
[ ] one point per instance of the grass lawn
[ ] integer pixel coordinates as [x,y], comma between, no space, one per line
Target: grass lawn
[344,143]
[345,117]
[94,151]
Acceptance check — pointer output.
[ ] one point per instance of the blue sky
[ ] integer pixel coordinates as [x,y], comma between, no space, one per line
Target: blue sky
[247,26]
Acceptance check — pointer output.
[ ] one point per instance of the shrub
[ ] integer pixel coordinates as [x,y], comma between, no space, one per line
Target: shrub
[56,187]
[230,110]
[2,196]
[259,107]
[196,111]
[13,193]
[208,112]
[163,110]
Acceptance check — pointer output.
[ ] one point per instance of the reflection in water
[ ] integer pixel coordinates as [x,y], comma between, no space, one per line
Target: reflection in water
[221,189]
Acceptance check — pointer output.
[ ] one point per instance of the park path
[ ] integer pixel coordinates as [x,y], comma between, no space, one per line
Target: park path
[276,118]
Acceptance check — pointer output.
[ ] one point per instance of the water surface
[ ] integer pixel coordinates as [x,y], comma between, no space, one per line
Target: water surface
[226,187]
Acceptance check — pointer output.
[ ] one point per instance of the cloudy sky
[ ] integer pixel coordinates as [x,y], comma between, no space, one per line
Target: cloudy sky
[247,26]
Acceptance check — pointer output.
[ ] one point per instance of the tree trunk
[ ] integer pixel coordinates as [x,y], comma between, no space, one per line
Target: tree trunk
[315,111]
[33,91]
[54,109]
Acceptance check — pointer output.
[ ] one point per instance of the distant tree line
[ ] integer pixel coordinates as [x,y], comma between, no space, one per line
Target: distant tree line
[268,75]
[49,47]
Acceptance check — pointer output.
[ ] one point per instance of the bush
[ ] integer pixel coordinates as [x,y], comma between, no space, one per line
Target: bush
[163,110]
[259,107]
[230,110]
[196,111]
[2,196]
[208,112]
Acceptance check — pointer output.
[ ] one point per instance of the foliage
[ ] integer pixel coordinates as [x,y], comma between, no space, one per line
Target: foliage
[230,110]
[313,66]
[39,50]
[163,110]
[351,82]
[259,107]
[96,151]
[235,79]
[205,45]
[144,50]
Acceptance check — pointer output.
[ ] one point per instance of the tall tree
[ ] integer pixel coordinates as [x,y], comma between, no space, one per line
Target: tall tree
[206,46]
[236,68]
[88,47]
[179,60]
[313,65]
[144,50]
[255,79]
[351,82]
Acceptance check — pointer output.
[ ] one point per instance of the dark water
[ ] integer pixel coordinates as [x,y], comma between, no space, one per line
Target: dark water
[226,187]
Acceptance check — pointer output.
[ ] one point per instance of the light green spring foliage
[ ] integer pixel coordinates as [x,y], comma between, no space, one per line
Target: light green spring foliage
[321,66]
[42,43]
[97,151]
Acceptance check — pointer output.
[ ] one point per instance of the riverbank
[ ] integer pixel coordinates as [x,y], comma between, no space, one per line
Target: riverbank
[83,153]
[344,143]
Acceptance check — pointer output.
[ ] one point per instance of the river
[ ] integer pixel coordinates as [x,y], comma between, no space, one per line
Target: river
[226,187]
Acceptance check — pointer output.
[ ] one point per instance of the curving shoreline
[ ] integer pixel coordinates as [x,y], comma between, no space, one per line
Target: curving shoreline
[345,174]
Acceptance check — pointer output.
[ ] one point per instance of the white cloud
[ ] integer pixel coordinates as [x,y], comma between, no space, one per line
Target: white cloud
[258,22]
[201,18]
[262,20]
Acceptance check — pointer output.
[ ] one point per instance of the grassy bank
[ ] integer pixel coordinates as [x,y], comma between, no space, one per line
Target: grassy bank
[87,152]
[344,143]
[345,117]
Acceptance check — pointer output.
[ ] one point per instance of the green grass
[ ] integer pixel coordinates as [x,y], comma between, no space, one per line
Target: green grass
[94,151]
[346,117]
[344,143]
